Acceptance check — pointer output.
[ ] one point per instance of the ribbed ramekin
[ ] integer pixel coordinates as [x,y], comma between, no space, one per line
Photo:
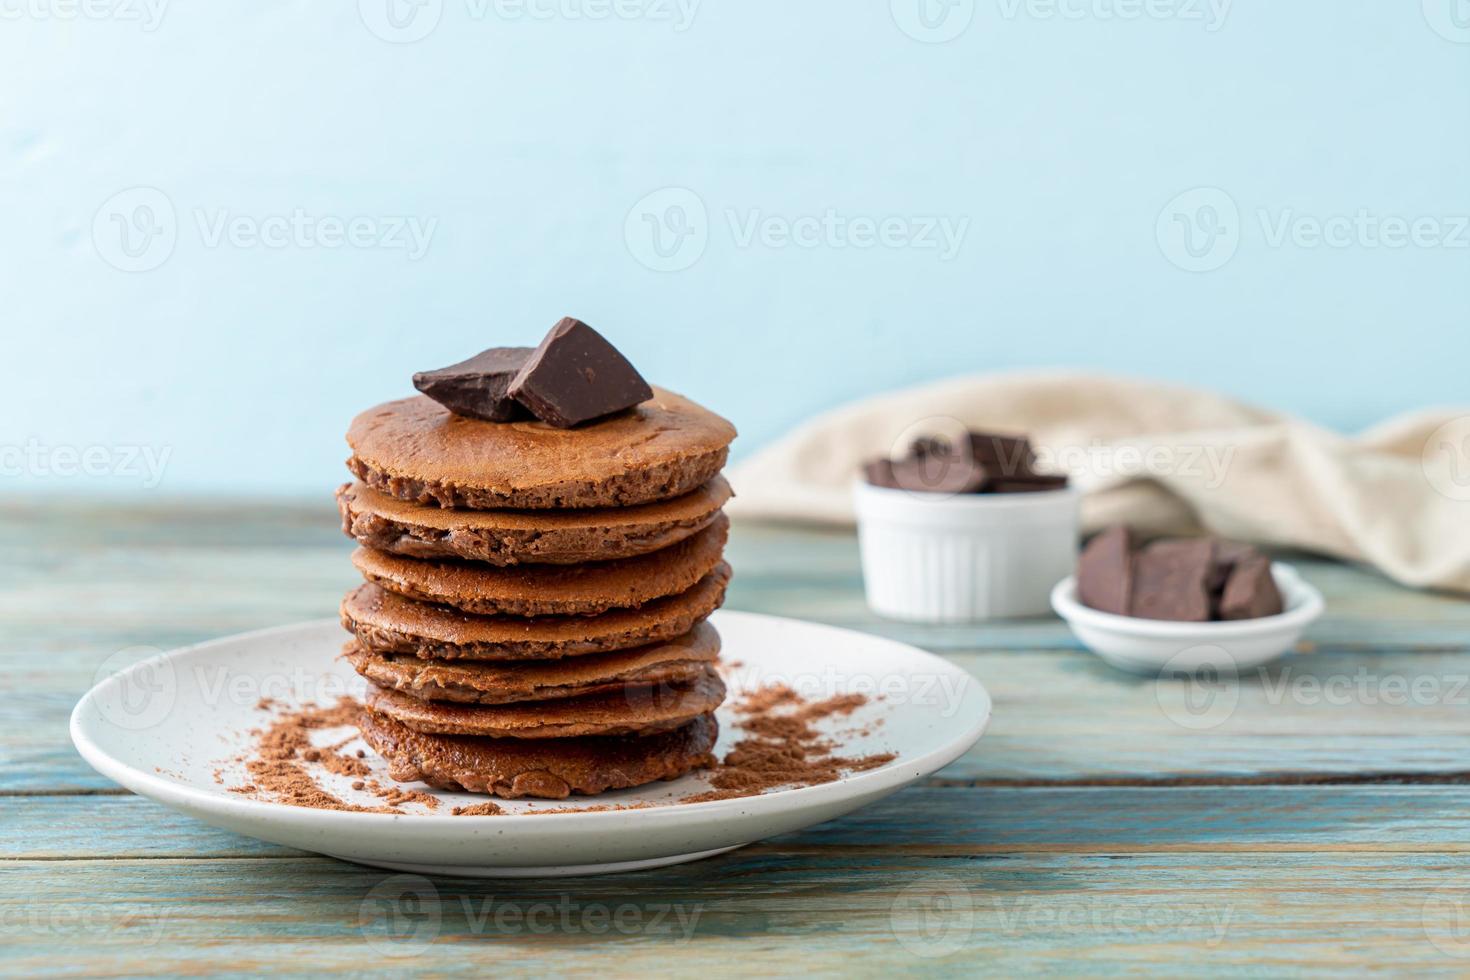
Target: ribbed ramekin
[940,558]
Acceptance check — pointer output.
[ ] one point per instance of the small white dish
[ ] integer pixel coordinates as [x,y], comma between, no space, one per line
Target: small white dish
[171,728]
[1151,646]
[963,558]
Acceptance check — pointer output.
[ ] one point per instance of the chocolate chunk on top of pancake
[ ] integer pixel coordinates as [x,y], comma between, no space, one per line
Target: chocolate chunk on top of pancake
[487,682]
[417,450]
[384,621]
[631,708]
[575,376]
[508,537]
[477,387]
[549,590]
[547,768]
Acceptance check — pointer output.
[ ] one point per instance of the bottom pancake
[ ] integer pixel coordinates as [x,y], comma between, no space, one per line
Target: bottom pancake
[632,708]
[548,768]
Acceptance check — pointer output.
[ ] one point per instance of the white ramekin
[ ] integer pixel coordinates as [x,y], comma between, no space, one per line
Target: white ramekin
[937,558]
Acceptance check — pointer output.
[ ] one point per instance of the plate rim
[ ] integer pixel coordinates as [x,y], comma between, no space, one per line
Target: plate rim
[884,779]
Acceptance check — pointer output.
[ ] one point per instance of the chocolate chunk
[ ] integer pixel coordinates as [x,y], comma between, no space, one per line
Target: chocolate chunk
[1030,483]
[1228,554]
[1006,461]
[477,387]
[1250,592]
[1171,580]
[1009,455]
[934,474]
[576,376]
[925,446]
[1105,571]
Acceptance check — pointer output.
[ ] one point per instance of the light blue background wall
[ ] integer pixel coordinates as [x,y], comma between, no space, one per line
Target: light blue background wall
[530,141]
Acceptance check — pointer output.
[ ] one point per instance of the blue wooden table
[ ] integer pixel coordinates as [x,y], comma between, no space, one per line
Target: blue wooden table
[1312,819]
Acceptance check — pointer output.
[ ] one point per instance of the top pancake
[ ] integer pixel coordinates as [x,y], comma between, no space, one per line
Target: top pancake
[417,450]
[510,537]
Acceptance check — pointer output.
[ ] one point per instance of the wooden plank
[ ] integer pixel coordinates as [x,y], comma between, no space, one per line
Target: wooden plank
[922,820]
[985,882]
[753,912]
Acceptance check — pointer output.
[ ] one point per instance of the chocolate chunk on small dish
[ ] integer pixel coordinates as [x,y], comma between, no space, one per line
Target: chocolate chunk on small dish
[1184,606]
[963,529]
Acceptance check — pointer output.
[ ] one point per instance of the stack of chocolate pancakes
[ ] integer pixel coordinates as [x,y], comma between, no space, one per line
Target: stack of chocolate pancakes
[532,620]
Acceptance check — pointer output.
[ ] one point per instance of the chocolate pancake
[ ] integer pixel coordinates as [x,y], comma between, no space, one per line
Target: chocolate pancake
[551,768]
[387,622]
[417,450]
[632,708]
[508,537]
[483,682]
[549,590]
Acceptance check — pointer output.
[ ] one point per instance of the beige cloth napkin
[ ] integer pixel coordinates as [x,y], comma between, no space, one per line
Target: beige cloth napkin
[1166,460]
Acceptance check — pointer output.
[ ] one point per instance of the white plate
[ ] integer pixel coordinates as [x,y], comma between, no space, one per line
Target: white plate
[167,728]
[1152,646]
